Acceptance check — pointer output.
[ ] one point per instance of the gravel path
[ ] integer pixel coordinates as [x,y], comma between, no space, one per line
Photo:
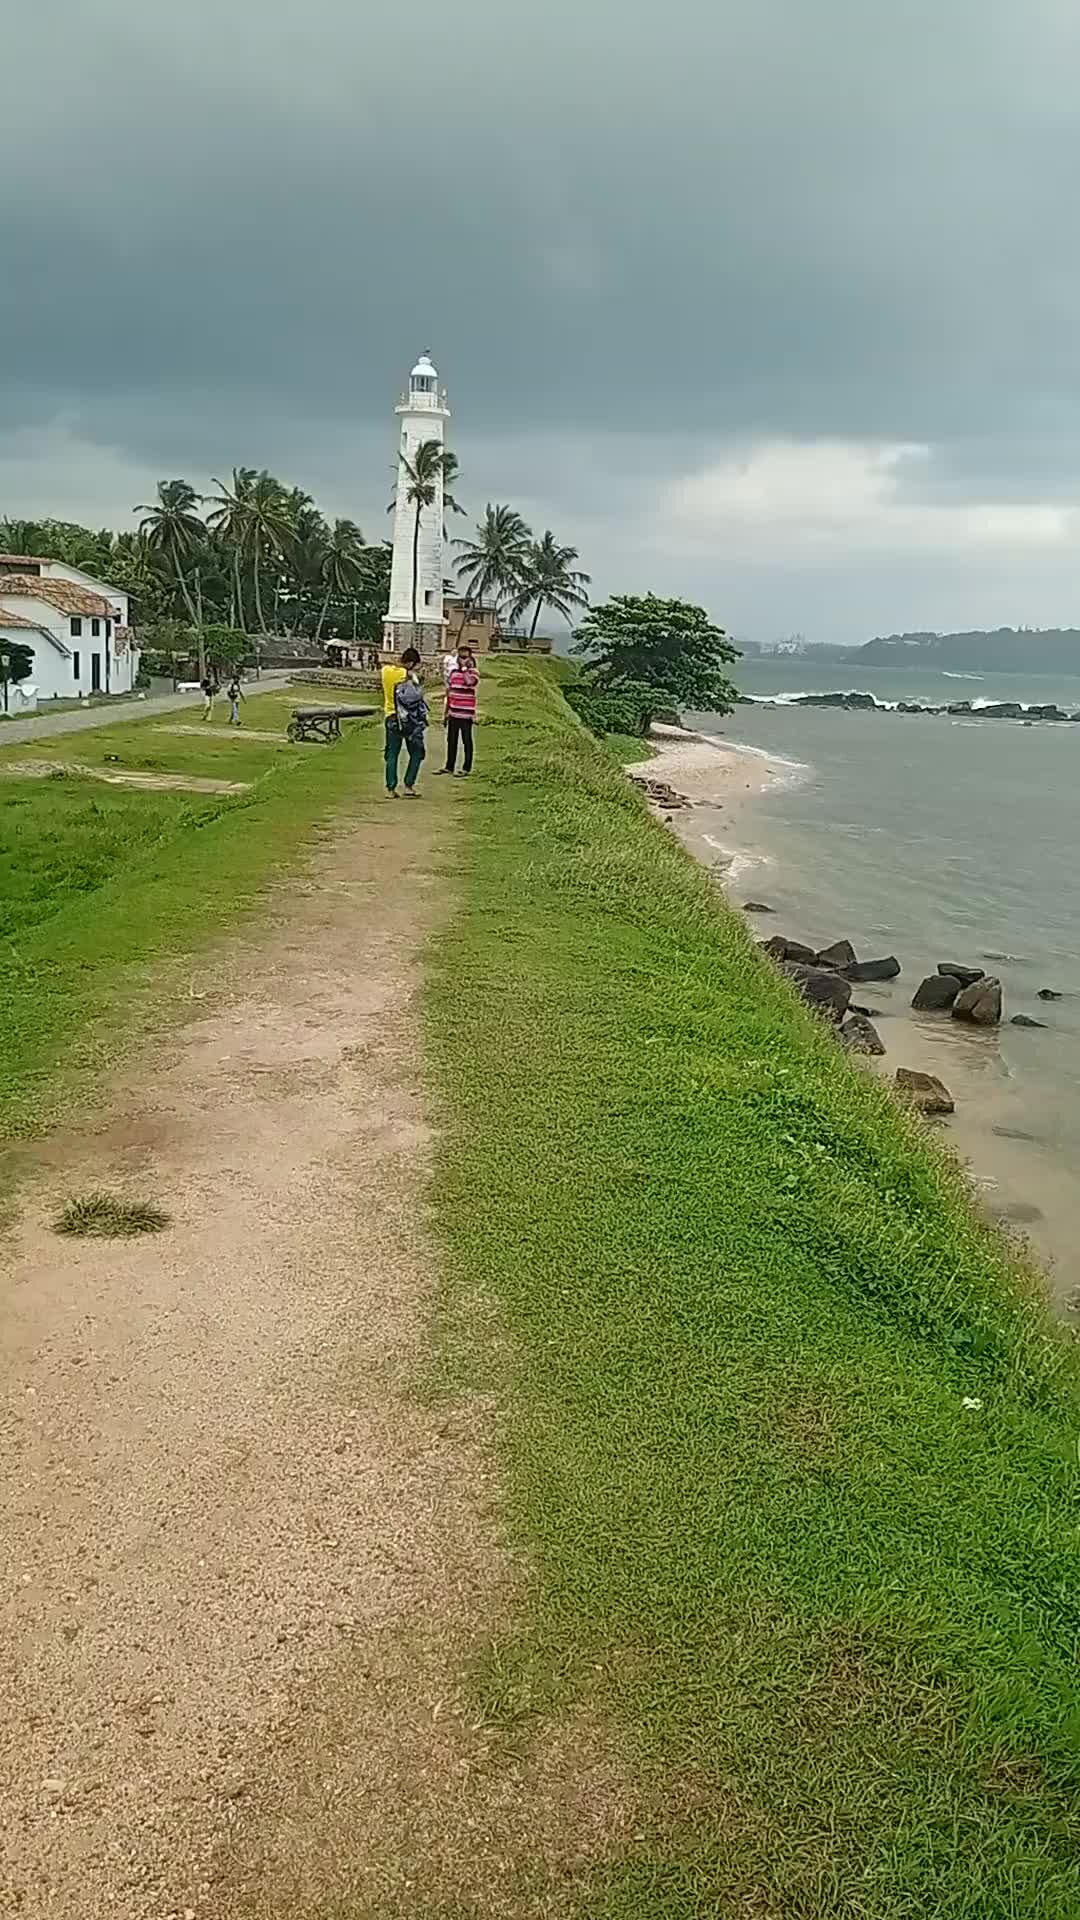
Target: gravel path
[15,733]
[239,1551]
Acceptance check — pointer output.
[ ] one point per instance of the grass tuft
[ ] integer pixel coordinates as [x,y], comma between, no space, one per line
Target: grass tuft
[105,1216]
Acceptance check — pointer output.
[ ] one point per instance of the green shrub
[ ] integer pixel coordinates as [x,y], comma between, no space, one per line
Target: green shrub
[629,708]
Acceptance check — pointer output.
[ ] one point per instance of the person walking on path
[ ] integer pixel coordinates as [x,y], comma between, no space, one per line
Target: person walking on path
[412,718]
[209,693]
[235,695]
[461,688]
[392,676]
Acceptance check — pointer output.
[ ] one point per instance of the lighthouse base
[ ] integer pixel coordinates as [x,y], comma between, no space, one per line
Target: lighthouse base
[427,636]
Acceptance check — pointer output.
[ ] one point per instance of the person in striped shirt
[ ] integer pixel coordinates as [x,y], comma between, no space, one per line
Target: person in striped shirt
[461,684]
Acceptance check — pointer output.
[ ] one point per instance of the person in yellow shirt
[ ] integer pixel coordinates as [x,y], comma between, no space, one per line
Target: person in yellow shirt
[392,677]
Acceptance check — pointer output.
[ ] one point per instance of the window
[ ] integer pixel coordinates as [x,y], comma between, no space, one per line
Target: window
[429,597]
[108,629]
[76,665]
[95,628]
[76,629]
[423,383]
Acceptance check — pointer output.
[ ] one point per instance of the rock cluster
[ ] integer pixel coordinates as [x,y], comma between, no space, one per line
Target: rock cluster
[659,792]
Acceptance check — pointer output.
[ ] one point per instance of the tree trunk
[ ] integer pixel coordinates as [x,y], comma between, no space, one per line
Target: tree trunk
[415,563]
[258,594]
[238,590]
[536,616]
[322,616]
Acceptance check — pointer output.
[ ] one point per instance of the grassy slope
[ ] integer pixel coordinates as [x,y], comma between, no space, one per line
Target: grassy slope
[835,1611]
[105,891]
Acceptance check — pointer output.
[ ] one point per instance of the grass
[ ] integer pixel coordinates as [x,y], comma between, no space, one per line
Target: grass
[834,1610]
[107,896]
[105,1216]
[627,748]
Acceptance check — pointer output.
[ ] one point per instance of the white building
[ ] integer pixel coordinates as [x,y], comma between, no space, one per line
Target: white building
[78,629]
[415,614]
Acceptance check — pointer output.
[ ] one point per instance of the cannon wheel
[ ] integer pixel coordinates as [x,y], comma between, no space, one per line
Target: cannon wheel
[292,731]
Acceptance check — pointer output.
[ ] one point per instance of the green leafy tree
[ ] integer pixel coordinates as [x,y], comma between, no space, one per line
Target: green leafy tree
[550,579]
[493,566]
[341,566]
[172,527]
[668,644]
[16,660]
[269,523]
[229,518]
[226,647]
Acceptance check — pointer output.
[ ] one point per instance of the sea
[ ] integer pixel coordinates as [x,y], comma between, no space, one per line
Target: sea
[938,838]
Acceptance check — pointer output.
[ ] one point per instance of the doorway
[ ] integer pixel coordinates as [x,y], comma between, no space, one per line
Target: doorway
[95,673]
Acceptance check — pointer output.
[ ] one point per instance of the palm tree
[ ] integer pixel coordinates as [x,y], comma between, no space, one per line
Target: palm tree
[450,474]
[230,520]
[305,552]
[421,476]
[173,528]
[495,562]
[550,579]
[342,566]
[268,521]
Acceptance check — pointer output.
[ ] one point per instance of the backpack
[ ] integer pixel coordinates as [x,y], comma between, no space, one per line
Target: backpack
[410,707]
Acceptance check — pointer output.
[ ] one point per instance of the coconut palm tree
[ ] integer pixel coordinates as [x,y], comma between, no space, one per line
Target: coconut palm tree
[268,523]
[172,527]
[342,565]
[230,520]
[451,471]
[421,476]
[493,565]
[550,579]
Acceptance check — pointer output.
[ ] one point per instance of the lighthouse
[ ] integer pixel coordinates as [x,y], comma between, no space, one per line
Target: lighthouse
[414,617]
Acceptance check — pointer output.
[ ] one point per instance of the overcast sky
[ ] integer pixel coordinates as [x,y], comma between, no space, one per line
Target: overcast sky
[774,304]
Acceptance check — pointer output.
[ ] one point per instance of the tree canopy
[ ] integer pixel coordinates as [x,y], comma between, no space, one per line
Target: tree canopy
[643,641]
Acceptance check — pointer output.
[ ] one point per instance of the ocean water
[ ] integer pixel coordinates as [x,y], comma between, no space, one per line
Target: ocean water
[940,839]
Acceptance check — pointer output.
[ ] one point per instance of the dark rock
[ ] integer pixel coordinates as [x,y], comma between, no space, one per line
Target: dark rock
[850,702]
[859,1034]
[967,976]
[936,993]
[840,955]
[863,970]
[757,906]
[826,992]
[870,1013]
[1048,993]
[1025,1020]
[1015,1133]
[1049,712]
[780,949]
[924,1091]
[980,1003]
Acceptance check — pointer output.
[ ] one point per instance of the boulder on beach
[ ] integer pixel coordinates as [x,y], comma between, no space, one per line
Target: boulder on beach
[1048,993]
[757,906]
[778,948]
[825,991]
[859,1034]
[850,702]
[980,1003]
[924,1091]
[840,955]
[936,993]
[967,976]
[1025,1020]
[863,970]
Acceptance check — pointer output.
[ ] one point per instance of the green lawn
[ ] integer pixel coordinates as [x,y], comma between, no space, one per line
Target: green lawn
[106,895]
[834,1610]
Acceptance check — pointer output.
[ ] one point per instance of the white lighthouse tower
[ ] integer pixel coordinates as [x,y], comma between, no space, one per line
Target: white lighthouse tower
[415,615]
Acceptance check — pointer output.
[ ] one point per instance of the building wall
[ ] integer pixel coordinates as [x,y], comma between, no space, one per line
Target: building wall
[55,675]
[416,426]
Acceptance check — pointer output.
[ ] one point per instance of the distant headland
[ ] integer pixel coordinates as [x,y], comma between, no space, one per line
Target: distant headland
[1003,650]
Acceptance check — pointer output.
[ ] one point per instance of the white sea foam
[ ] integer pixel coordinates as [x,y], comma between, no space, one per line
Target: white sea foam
[736,860]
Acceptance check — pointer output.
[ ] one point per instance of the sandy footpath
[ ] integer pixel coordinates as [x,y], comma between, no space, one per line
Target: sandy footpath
[225,1516]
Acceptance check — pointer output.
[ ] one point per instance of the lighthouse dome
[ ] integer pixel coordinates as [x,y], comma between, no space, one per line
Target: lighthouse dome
[423,369]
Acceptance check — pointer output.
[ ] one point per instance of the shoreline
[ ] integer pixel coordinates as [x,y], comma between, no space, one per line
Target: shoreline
[1017,1178]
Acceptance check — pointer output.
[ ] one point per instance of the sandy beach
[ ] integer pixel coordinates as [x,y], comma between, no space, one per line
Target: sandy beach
[1017,1180]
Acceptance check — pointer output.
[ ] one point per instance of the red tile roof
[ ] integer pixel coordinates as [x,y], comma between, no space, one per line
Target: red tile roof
[65,595]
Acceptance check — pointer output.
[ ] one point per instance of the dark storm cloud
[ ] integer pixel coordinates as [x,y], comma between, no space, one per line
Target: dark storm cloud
[646,231]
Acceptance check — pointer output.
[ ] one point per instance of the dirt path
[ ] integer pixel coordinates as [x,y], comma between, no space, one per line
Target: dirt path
[43,725]
[239,1551]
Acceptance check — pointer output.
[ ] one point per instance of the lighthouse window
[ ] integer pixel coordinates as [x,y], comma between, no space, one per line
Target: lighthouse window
[423,383]
[429,598]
